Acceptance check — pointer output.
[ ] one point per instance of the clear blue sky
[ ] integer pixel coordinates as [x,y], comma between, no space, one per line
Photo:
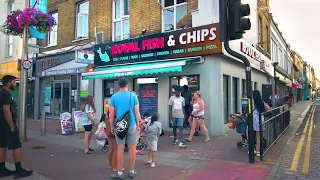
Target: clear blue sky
[299,22]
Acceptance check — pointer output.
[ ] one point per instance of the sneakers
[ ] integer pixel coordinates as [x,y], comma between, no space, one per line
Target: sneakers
[175,141]
[23,173]
[7,173]
[153,165]
[132,175]
[116,176]
[149,161]
[182,145]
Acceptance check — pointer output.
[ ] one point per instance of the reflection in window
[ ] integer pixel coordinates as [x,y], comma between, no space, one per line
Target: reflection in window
[174,14]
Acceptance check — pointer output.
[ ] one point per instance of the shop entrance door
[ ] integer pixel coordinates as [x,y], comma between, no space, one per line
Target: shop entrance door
[62,96]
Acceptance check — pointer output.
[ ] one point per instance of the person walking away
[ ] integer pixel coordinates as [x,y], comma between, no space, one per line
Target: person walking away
[284,100]
[198,117]
[187,95]
[119,105]
[9,134]
[88,119]
[153,129]
[258,107]
[113,148]
[176,113]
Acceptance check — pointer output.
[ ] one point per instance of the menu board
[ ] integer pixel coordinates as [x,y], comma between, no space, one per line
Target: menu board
[148,98]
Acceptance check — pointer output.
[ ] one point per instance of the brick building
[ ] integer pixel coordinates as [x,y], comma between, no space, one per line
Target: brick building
[155,45]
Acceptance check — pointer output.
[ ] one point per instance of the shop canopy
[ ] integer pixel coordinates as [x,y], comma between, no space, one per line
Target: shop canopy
[138,69]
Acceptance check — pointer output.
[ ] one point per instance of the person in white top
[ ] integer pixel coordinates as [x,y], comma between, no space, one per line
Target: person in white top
[198,117]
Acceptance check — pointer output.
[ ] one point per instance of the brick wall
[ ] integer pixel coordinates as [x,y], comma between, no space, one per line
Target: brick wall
[144,14]
[263,12]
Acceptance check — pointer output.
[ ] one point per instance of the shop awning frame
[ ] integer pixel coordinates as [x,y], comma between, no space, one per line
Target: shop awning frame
[136,69]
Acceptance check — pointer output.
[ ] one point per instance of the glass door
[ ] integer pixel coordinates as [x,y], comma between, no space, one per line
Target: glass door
[61,98]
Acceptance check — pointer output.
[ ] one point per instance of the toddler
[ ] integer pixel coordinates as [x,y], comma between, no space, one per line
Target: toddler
[153,130]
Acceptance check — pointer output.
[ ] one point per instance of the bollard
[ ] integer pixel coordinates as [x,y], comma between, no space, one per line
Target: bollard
[44,121]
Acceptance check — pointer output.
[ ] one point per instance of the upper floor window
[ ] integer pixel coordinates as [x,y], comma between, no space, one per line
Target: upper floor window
[82,28]
[174,15]
[268,39]
[10,45]
[121,20]
[274,51]
[11,8]
[53,34]
[260,29]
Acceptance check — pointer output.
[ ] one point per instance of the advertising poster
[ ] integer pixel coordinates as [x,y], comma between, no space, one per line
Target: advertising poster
[78,127]
[66,123]
[47,99]
[148,98]
[84,90]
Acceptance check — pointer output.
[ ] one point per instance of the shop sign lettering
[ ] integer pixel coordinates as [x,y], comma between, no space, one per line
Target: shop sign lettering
[197,41]
[249,51]
[47,63]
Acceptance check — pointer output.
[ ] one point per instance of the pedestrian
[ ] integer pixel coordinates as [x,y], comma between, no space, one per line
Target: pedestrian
[88,120]
[122,102]
[153,129]
[9,134]
[188,97]
[177,114]
[258,107]
[244,95]
[198,117]
[113,148]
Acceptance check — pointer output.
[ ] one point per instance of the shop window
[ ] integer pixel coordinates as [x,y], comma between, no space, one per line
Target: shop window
[235,95]
[174,14]
[121,20]
[192,81]
[53,34]
[82,30]
[226,98]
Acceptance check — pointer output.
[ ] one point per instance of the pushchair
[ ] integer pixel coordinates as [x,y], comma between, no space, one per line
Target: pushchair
[240,124]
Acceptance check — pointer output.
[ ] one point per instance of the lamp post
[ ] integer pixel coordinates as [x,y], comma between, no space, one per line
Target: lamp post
[274,64]
[23,84]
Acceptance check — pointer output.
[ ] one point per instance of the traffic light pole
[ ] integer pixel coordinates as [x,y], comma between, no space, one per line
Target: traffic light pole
[224,18]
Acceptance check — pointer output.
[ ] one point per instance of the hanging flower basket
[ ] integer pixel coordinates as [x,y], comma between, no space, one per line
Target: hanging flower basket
[30,17]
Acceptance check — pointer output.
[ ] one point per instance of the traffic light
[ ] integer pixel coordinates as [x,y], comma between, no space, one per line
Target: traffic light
[237,22]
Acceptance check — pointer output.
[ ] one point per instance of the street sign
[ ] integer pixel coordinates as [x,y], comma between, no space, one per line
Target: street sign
[26,64]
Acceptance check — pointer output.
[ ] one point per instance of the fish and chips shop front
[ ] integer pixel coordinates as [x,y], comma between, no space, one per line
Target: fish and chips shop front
[155,63]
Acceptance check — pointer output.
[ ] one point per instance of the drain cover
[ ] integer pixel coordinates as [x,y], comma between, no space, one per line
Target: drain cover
[38,147]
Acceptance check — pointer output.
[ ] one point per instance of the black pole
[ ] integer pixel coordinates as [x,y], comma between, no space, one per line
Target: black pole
[224,28]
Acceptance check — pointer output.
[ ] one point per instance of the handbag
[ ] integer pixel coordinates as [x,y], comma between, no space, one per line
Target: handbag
[121,125]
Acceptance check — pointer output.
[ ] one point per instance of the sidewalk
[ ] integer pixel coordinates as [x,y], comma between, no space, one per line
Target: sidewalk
[62,156]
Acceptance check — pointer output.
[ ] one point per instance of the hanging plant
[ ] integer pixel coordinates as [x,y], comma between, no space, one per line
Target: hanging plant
[30,17]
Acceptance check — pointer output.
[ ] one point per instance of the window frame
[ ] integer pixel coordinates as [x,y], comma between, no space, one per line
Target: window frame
[121,19]
[174,6]
[11,7]
[54,30]
[77,19]
[260,37]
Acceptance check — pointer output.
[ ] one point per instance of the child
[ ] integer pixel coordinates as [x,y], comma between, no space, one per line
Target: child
[153,129]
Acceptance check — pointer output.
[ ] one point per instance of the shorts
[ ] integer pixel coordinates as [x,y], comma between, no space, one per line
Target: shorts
[153,145]
[178,122]
[201,117]
[9,139]
[188,110]
[87,128]
[131,137]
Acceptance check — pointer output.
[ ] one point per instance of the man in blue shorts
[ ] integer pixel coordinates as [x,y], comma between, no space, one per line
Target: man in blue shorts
[177,114]
[120,103]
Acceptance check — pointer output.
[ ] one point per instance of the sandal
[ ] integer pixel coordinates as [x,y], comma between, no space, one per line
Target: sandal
[208,140]
[187,139]
[88,152]
[91,150]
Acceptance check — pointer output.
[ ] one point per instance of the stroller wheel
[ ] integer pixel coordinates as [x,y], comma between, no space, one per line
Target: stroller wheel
[141,146]
[105,149]
[239,144]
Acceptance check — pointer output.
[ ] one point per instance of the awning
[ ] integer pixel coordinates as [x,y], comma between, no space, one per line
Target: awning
[70,67]
[136,69]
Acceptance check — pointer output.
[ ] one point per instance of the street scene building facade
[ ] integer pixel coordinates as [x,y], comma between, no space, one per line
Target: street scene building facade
[129,38]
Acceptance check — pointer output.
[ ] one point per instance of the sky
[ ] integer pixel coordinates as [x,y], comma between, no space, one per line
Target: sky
[300,25]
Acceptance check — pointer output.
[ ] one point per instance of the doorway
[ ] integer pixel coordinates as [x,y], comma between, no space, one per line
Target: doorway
[61,96]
